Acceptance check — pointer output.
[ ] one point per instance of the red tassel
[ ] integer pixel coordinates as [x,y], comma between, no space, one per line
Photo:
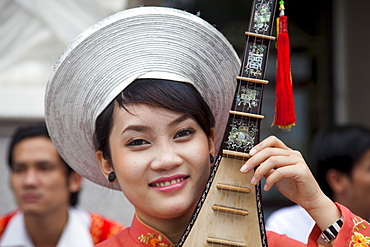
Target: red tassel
[284,105]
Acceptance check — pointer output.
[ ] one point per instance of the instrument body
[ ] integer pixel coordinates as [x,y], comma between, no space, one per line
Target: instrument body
[229,212]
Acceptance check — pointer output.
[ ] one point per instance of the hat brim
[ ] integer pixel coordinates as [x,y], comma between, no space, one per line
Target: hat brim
[144,42]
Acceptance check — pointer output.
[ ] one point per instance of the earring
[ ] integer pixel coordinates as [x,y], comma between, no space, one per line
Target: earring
[111,177]
[211,158]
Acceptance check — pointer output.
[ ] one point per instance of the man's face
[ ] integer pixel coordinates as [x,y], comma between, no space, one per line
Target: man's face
[39,177]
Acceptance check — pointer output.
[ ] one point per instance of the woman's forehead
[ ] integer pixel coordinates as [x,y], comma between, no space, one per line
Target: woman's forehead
[138,112]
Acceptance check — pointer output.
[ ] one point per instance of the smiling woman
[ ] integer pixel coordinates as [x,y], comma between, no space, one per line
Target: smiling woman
[139,103]
[155,152]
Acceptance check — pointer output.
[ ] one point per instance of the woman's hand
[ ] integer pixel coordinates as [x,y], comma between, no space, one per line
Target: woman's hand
[287,170]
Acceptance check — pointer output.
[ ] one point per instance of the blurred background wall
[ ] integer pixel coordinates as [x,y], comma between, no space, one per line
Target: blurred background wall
[329,67]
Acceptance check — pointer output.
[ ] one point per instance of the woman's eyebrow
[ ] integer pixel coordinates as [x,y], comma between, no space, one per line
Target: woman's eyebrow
[139,128]
[180,119]
[144,128]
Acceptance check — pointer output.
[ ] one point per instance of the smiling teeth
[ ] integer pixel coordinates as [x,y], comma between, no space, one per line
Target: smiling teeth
[167,183]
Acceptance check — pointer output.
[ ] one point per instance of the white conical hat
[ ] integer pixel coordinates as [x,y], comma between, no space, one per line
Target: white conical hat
[144,42]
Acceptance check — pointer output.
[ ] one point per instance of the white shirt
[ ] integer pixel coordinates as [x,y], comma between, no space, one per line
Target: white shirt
[75,233]
[293,221]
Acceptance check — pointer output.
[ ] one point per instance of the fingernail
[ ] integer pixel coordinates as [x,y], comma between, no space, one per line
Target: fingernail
[265,187]
[253,151]
[254,181]
[244,168]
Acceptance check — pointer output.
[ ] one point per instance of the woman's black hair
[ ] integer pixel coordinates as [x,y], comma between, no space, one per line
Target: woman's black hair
[37,130]
[172,95]
[338,148]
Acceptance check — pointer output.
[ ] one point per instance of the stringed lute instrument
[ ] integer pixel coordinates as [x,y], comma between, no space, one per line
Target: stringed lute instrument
[229,212]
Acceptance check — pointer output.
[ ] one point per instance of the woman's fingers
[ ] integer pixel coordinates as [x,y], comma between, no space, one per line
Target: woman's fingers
[273,176]
[273,160]
[270,157]
[269,146]
[273,164]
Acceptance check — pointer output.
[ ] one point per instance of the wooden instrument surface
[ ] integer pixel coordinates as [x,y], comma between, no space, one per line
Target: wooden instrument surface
[232,205]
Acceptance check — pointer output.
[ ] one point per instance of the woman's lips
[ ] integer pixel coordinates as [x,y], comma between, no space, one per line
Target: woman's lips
[169,184]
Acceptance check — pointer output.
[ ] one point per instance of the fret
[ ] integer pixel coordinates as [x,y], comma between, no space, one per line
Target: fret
[225,242]
[246,114]
[233,188]
[252,80]
[233,154]
[261,36]
[230,210]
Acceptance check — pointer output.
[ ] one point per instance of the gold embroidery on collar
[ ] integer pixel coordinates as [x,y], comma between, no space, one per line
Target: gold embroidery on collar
[358,239]
[155,242]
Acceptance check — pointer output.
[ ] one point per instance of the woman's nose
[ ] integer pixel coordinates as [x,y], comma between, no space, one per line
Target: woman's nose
[166,158]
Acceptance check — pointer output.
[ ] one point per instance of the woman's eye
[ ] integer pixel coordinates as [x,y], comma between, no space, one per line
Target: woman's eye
[184,133]
[137,142]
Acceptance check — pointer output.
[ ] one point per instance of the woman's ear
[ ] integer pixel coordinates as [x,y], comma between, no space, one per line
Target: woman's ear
[74,182]
[211,143]
[104,164]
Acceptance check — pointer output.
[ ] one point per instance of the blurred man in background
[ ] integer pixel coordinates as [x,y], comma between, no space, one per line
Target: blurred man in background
[46,191]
